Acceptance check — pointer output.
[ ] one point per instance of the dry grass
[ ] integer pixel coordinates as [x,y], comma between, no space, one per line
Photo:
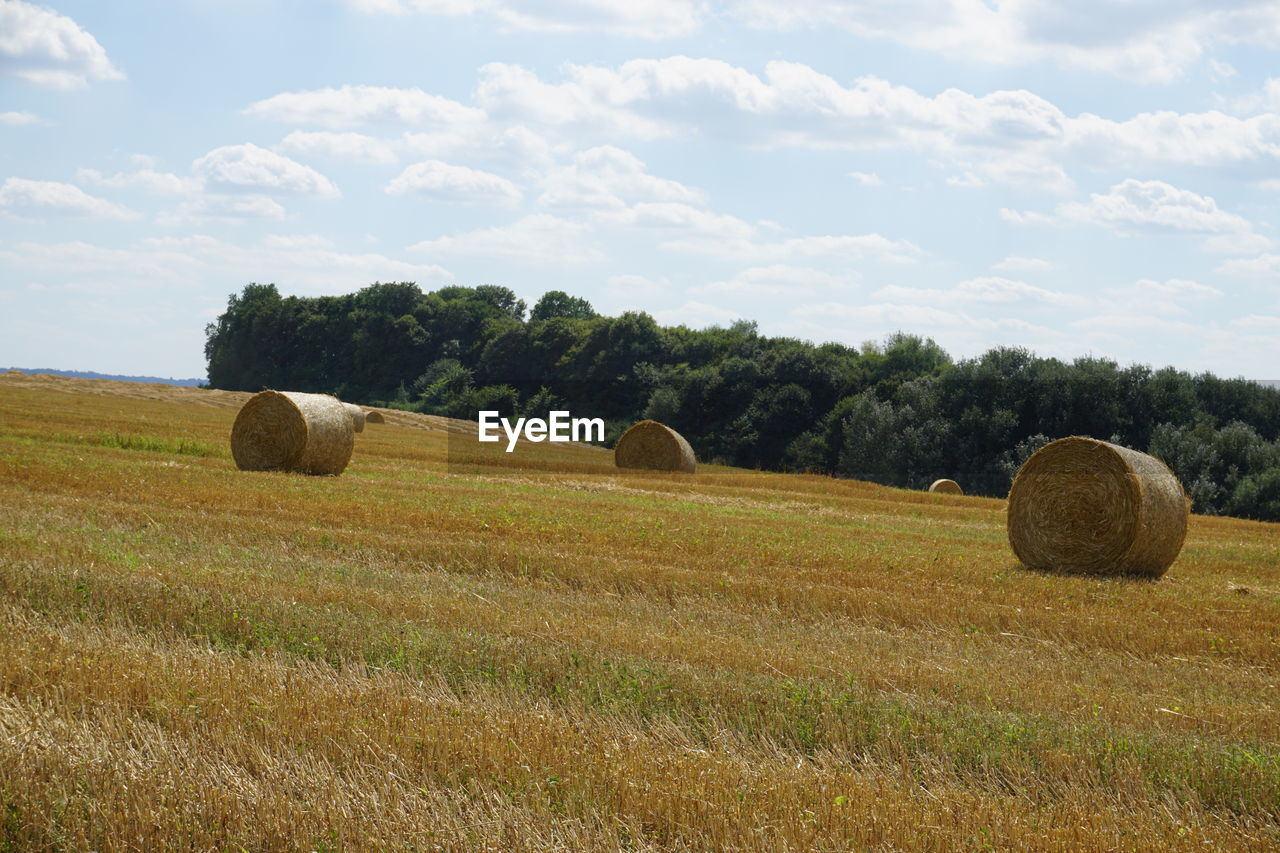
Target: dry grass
[546,653]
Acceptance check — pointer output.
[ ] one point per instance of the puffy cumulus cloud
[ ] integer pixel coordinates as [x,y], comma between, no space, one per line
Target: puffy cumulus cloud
[1147,40]
[779,280]
[446,182]
[983,290]
[22,197]
[1008,137]
[608,177]
[1014,138]
[352,106]
[340,146]
[43,47]
[651,19]
[249,167]
[162,183]
[1145,205]
[540,239]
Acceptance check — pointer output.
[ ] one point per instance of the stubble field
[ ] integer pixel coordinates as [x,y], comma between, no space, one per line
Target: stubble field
[545,653]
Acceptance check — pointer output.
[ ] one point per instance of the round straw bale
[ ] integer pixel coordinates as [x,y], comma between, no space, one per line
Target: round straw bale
[292,431]
[373,416]
[1084,506]
[357,416]
[946,487]
[651,445]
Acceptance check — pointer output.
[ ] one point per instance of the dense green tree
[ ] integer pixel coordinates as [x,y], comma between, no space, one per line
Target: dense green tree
[899,412]
[557,303]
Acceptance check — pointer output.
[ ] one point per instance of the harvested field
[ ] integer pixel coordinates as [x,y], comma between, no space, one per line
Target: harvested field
[552,654]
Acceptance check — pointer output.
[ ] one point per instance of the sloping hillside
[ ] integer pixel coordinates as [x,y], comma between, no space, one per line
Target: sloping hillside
[537,651]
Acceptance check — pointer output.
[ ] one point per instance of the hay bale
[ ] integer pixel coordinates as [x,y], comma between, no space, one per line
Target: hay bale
[357,416]
[946,487]
[655,447]
[373,416]
[1084,506]
[292,431]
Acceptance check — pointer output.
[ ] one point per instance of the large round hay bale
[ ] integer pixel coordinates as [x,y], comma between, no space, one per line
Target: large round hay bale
[655,447]
[373,416]
[292,431]
[1084,506]
[946,487]
[357,416]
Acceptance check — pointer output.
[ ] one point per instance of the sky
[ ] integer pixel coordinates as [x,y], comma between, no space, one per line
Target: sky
[1078,178]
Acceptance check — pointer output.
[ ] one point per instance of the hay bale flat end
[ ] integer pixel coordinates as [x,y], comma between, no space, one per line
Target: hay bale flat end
[1084,506]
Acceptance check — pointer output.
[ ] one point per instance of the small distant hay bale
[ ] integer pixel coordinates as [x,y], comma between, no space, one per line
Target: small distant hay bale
[946,487]
[654,447]
[373,416]
[293,431]
[1083,506]
[357,416]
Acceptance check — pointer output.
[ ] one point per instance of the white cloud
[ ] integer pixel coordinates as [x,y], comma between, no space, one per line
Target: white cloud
[43,47]
[1265,265]
[1135,207]
[1133,204]
[446,182]
[145,179]
[352,106]
[234,209]
[249,167]
[540,239]
[1017,263]
[651,19]
[867,179]
[303,264]
[1145,41]
[608,177]
[1010,137]
[1025,217]
[1171,297]
[341,146]
[983,290]
[778,280]
[20,197]
[18,118]
[699,231]
[1241,243]
[1265,100]
[1222,70]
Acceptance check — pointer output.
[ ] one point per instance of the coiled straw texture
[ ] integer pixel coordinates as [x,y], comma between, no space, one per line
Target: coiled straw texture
[1083,506]
[655,447]
[293,431]
[946,487]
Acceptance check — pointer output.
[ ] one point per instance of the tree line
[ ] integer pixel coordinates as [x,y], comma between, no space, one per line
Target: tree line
[900,412]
